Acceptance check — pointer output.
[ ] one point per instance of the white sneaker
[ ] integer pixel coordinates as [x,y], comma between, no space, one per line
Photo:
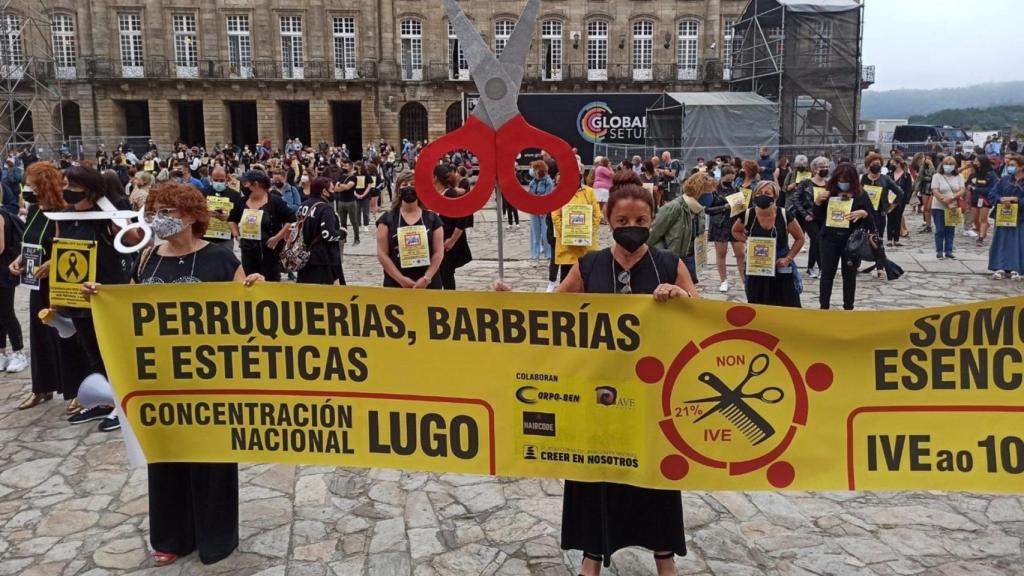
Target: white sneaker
[970,233]
[365,229]
[4,360]
[724,286]
[552,286]
[16,362]
[1015,276]
[814,272]
[999,275]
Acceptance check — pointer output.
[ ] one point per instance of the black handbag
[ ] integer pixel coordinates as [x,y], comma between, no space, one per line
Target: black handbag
[861,246]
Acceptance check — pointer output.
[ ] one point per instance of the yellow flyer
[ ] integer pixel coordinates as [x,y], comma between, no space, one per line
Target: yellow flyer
[577,225]
[649,186]
[1006,216]
[218,229]
[413,248]
[700,251]
[250,228]
[360,183]
[747,397]
[820,193]
[874,193]
[737,203]
[747,194]
[801,176]
[75,264]
[837,211]
[954,216]
[760,256]
[148,167]
[892,197]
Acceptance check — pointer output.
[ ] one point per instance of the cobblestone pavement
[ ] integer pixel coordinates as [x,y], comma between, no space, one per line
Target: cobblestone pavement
[69,505]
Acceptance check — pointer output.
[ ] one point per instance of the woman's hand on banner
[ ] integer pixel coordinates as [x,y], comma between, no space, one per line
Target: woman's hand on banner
[253,279]
[89,289]
[499,286]
[666,292]
[421,283]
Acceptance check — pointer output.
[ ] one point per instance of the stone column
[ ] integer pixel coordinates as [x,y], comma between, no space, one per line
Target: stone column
[269,122]
[162,127]
[215,124]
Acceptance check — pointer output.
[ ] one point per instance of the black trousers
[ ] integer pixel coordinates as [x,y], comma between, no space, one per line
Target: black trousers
[831,257]
[813,232]
[58,364]
[262,261]
[510,212]
[447,274]
[557,272]
[895,222]
[194,506]
[10,327]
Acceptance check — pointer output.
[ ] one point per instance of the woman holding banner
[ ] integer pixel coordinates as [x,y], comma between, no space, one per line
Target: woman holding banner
[190,505]
[767,226]
[57,363]
[600,518]
[410,241]
[1006,258]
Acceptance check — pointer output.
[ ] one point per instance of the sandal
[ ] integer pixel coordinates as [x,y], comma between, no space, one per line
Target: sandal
[74,407]
[35,400]
[164,558]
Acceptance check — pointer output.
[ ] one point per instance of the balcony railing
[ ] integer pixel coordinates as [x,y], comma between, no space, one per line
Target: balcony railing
[114,69]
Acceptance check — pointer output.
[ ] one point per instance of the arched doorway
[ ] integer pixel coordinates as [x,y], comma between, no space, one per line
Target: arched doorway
[453,117]
[412,122]
[67,116]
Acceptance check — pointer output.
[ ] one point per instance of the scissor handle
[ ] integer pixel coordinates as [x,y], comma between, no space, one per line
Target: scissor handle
[147,235]
[770,395]
[475,136]
[515,136]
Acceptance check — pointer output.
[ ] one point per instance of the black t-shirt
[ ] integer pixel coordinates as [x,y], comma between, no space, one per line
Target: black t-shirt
[211,263]
[393,220]
[275,214]
[347,195]
[781,233]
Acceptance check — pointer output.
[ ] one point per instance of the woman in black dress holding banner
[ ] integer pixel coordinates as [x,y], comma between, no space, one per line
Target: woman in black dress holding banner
[600,518]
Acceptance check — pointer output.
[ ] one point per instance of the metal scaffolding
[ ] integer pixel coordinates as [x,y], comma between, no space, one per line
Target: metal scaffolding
[805,55]
[31,111]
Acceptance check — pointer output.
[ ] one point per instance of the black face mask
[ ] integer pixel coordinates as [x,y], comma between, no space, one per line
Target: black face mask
[764,202]
[29,196]
[631,238]
[823,173]
[73,197]
[726,184]
[875,169]
[408,195]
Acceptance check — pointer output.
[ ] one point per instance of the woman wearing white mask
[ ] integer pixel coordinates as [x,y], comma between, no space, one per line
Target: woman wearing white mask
[947,189]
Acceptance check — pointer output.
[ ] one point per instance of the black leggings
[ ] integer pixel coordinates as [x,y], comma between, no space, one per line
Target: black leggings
[557,272]
[813,233]
[510,212]
[895,224]
[447,274]
[10,327]
[831,257]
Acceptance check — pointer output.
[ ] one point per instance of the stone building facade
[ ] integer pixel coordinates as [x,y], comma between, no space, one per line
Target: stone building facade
[353,71]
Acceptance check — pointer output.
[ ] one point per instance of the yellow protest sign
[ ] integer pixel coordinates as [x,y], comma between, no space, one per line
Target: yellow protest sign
[360,183]
[74,265]
[747,398]
[747,194]
[837,211]
[149,166]
[820,193]
[760,256]
[737,202]
[1007,216]
[577,225]
[251,225]
[700,251]
[801,176]
[874,193]
[218,229]
[413,248]
[954,216]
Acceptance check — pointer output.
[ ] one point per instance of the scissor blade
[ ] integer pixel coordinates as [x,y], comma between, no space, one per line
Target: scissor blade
[517,49]
[495,87]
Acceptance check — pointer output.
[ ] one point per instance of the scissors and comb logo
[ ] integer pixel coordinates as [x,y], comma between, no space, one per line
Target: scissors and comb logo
[758,406]
[732,402]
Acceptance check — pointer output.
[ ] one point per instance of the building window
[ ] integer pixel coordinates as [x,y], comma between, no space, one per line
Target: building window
[686,49]
[186,49]
[129,27]
[823,43]
[453,117]
[732,41]
[643,50]
[775,42]
[551,49]
[458,66]
[411,33]
[65,51]
[412,122]
[502,30]
[239,46]
[293,54]
[344,47]
[597,50]
[12,47]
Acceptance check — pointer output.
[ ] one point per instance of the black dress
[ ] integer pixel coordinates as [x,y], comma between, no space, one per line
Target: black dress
[257,258]
[460,254]
[778,290]
[393,220]
[602,517]
[57,364]
[192,505]
[719,220]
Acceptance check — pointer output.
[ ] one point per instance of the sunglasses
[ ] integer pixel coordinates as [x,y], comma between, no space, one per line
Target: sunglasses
[625,279]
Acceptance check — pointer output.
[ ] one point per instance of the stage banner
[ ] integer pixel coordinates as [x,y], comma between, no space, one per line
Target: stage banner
[688,394]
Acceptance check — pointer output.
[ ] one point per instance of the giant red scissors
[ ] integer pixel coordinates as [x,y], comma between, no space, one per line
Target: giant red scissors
[496,132]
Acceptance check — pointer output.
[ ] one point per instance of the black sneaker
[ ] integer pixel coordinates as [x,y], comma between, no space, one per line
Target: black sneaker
[94,413]
[950,257]
[938,255]
[110,424]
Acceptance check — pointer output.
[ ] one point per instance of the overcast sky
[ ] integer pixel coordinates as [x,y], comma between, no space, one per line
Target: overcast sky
[910,42]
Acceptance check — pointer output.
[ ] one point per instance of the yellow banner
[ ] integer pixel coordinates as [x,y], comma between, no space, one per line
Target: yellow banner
[689,394]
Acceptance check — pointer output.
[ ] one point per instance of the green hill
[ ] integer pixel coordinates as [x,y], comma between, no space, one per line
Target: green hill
[992,118]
